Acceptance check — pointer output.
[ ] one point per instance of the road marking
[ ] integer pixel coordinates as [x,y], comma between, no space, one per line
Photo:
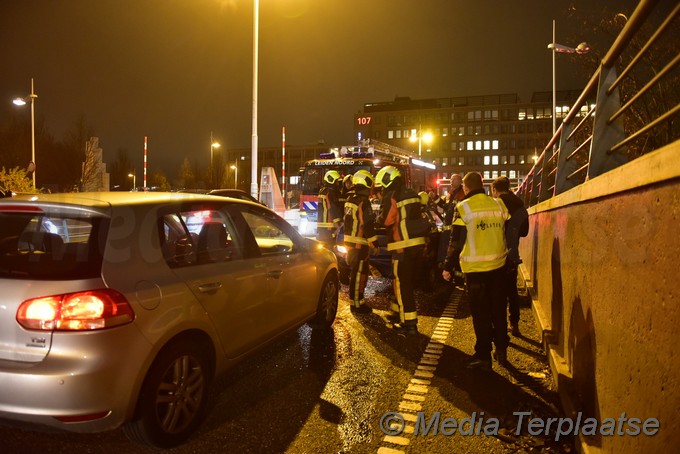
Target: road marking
[418,388]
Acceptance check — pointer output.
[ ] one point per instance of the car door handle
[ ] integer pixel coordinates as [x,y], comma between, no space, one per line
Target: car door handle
[275,274]
[211,287]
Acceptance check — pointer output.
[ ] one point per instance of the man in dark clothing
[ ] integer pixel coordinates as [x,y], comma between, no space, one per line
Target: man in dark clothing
[500,189]
[482,253]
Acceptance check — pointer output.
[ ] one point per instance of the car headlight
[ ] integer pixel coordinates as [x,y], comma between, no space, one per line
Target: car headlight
[341,249]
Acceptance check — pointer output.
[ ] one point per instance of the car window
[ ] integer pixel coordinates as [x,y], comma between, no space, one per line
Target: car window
[196,237]
[42,246]
[269,233]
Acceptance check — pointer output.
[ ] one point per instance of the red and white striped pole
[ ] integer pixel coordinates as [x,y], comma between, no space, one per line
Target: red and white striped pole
[283,165]
[144,163]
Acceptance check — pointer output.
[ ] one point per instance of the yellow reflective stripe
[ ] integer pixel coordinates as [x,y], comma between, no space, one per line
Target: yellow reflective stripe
[356,240]
[325,224]
[459,221]
[482,258]
[407,202]
[372,239]
[447,227]
[410,315]
[406,243]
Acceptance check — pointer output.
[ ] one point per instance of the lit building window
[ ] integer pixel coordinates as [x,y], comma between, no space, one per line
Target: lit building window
[494,174]
[399,134]
[494,160]
[494,144]
[487,160]
[522,114]
[513,174]
[390,134]
[478,145]
[487,174]
[470,145]
[487,144]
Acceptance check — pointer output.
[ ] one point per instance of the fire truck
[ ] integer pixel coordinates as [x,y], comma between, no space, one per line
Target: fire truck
[369,155]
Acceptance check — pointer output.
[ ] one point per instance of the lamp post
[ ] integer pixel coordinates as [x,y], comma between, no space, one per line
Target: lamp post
[134,181]
[20,102]
[580,49]
[427,137]
[213,145]
[253,151]
[235,167]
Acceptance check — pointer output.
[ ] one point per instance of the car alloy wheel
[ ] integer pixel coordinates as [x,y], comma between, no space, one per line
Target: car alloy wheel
[173,398]
[328,303]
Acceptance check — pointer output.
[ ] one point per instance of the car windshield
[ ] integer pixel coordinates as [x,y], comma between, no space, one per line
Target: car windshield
[41,246]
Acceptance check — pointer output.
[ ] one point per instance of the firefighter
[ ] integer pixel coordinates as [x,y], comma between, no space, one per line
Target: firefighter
[360,237]
[482,259]
[329,209]
[401,215]
[347,188]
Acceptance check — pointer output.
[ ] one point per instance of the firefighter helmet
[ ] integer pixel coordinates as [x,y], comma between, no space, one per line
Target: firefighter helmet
[331,177]
[386,176]
[424,198]
[363,178]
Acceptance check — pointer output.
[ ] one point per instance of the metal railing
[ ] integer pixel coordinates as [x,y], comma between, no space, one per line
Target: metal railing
[616,118]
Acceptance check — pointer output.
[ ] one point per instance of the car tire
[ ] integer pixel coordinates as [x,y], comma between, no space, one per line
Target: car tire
[344,276]
[327,307]
[173,398]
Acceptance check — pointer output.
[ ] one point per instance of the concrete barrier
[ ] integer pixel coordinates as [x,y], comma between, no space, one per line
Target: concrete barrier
[602,263]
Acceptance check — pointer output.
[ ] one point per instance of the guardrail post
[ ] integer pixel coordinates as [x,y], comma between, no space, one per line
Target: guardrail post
[606,134]
[565,167]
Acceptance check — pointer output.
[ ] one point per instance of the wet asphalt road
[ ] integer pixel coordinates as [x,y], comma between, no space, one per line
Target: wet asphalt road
[313,392]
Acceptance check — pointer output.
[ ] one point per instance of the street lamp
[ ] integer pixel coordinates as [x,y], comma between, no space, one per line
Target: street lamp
[213,145]
[134,181]
[235,167]
[253,151]
[21,102]
[580,49]
[421,137]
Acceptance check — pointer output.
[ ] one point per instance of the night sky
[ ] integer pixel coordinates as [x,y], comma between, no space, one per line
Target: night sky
[175,70]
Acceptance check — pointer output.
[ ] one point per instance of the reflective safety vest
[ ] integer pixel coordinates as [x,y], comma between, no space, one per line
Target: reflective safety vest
[484,218]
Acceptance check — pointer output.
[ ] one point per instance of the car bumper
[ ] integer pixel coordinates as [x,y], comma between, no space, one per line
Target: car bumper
[85,375]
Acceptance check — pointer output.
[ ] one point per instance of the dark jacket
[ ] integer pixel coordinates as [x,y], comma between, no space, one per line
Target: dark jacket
[518,216]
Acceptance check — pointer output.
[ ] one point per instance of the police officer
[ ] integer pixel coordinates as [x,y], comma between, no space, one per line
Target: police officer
[482,260]
[401,215]
[329,208]
[358,228]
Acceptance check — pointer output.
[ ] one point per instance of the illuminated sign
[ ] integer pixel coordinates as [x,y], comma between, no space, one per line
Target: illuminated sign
[364,121]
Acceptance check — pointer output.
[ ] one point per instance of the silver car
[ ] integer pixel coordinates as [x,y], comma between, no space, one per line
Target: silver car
[119,308]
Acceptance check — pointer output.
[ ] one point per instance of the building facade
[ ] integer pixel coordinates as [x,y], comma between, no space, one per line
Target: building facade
[492,134]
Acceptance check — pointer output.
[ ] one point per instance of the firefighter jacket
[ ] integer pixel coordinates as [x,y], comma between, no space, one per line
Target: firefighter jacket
[329,208]
[402,214]
[484,218]
[358,226]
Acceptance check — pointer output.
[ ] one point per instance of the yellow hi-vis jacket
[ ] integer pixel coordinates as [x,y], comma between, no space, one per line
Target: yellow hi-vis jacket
[484,218]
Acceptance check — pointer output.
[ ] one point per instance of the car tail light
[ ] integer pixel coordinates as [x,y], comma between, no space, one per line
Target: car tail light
[81,311]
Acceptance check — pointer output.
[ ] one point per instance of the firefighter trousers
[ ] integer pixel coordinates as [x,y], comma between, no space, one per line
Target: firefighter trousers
[357,259]
[404,266]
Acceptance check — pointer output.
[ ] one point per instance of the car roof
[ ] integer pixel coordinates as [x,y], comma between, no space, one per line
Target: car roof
[102,199]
